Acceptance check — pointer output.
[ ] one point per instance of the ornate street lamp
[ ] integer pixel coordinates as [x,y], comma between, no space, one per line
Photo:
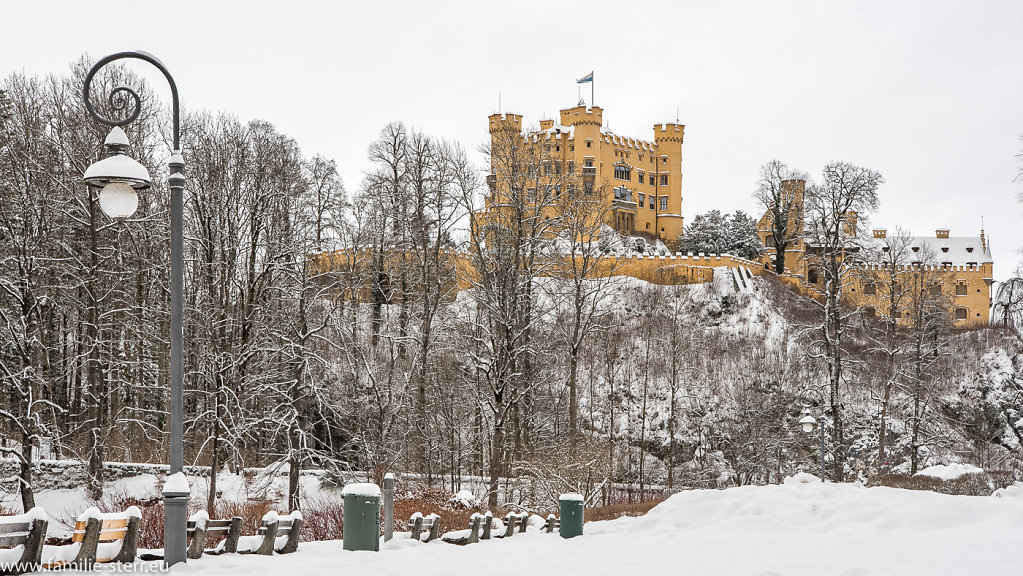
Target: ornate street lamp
[811,399]
[120,178]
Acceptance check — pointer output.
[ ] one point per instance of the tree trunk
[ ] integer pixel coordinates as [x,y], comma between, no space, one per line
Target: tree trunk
[28,499]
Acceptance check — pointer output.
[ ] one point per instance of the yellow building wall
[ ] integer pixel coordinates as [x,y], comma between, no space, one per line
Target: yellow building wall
[658,157]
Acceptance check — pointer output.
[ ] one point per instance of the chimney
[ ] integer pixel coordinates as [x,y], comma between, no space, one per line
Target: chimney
[941,233]
[880,233]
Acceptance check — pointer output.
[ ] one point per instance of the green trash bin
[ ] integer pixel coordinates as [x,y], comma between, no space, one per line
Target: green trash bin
[361,517]
[571,515]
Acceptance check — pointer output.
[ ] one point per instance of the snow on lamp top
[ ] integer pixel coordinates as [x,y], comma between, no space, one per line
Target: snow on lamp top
[117,137]
[361,489]
[176,484]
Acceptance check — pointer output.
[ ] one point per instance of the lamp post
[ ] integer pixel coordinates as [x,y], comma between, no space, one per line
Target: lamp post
[811,398]
[120,178]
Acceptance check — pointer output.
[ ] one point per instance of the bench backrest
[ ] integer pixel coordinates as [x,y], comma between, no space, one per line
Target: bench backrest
[211,526]
[13,533]
[283,527]
[110,530]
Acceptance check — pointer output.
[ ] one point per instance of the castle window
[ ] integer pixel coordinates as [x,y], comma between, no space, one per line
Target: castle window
[936,289]
[664,159]
[768,240]
[557,168]
[557,148]
[589,144]
[651,179]
[869,288]
[588,163]
[571,167]
[572,148]
[664,204]
[651,201]
[969,249]
[962,313]
[664,179]
[962,289]
[623,173]
[640,178]
[642,198]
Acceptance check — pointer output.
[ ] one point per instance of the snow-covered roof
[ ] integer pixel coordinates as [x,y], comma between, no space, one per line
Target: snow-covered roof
[955,250]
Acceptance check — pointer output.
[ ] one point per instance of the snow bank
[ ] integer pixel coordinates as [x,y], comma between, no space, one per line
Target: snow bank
[465,499]
[949,471]
[1014,491]
[361,489]
[802,478]
[816,528]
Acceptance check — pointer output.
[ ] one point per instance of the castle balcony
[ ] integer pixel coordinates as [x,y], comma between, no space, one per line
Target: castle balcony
[622,204]
[589,170]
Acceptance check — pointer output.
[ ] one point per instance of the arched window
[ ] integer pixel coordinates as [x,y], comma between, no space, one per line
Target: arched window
[962,313]
[623,172]
[811,276]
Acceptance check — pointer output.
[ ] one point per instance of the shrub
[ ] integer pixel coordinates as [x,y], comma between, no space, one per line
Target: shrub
[612,511]
[980,484]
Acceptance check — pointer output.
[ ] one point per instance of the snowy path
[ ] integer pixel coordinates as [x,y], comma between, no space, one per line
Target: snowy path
[793,529]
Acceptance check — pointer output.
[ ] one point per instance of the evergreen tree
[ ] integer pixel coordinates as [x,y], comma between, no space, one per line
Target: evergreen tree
[717,233]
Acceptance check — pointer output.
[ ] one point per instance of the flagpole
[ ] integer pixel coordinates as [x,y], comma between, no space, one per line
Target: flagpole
[591,89]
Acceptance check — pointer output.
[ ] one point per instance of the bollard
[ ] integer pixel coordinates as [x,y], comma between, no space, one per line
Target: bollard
[571,515]
[361,517]
[388,506]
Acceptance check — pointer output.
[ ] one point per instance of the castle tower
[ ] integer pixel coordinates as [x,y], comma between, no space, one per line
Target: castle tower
[668,139]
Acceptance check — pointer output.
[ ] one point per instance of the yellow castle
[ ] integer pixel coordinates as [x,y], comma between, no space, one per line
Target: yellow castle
[642,179]
[956,271]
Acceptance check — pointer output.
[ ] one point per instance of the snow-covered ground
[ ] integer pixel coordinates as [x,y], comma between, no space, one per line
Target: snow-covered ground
[792,529]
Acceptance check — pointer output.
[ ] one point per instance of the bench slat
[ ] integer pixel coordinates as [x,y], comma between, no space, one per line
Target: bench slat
[218,524]
[13,538]
[8,527]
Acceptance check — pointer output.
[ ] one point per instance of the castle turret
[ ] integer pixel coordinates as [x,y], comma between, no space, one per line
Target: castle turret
[507,121]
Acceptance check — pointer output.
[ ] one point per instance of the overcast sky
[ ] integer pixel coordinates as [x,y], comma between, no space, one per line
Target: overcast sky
[929,93]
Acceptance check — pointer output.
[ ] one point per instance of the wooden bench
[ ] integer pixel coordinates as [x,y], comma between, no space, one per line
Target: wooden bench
[418,523]
[29,531]
[511,520]
[290,526]
[475,522]
[272,527]
[199,527]
[553,523]
[94,529]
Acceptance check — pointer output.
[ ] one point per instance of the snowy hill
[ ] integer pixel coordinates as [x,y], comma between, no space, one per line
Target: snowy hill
[820,529]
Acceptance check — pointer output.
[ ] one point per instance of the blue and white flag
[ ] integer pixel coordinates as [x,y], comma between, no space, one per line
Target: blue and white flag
[585,79]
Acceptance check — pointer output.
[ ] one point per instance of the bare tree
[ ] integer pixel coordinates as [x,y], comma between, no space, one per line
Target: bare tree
[779,191]
[886,279]
[835,208]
